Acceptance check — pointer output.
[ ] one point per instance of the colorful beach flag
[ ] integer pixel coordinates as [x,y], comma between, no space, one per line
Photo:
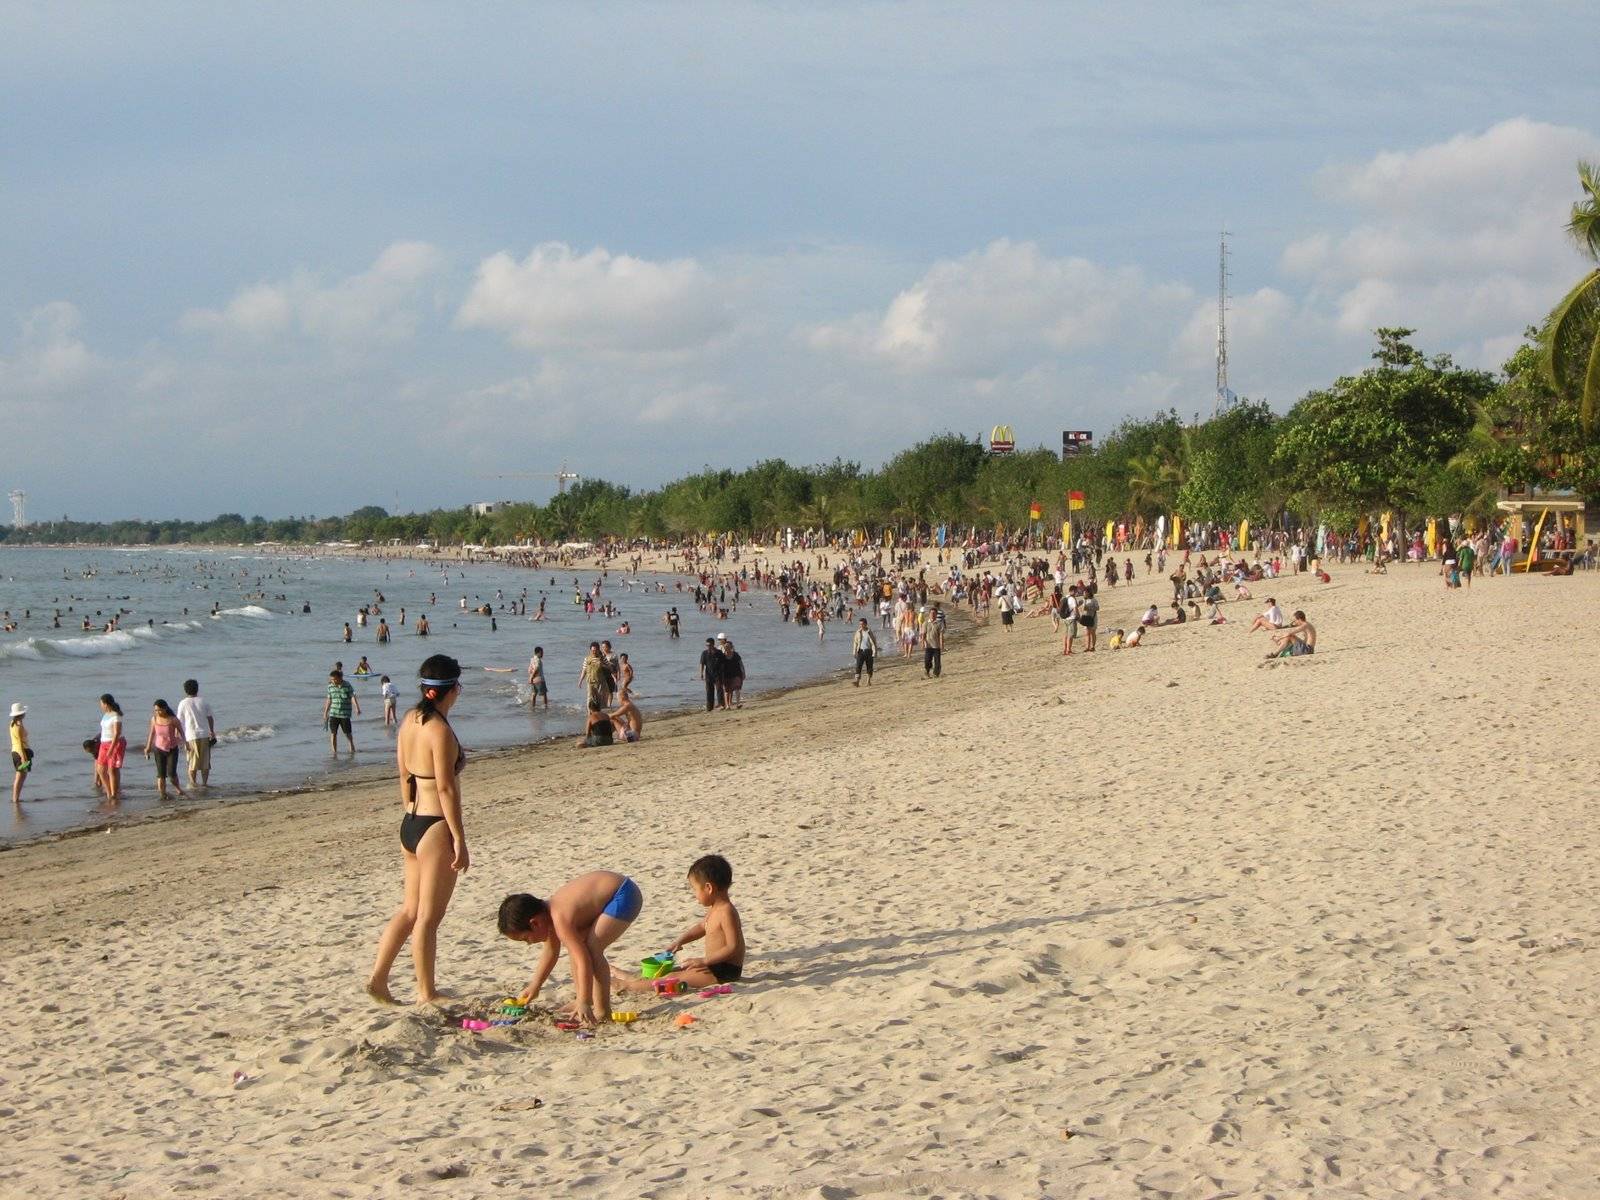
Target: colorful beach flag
[1074,500]
[1034,511]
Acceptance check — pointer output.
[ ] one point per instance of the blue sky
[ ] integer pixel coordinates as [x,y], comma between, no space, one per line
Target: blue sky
[280,260]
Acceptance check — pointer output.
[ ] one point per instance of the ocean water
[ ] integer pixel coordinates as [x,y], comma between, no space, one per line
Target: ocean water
[233,621]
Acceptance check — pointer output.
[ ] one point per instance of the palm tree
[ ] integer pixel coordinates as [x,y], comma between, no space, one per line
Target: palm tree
[1572,341]
[1154,480]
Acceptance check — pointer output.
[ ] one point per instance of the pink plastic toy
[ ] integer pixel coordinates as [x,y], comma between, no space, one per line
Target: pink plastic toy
[469,1023]
[722,989]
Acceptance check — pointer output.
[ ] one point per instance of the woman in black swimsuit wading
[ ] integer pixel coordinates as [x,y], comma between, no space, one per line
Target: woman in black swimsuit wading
[433,841]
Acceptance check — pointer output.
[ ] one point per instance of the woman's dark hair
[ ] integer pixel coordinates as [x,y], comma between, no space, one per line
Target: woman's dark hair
[437,666]
[516,911]
[161,707]
[110,702]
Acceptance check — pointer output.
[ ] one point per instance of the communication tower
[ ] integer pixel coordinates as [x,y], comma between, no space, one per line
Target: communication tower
[1224,395]
[19,511]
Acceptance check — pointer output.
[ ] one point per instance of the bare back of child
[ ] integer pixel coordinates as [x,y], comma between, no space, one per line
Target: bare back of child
[585,915]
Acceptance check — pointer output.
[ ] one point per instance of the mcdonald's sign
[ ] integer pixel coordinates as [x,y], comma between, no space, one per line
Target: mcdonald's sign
[1001,440]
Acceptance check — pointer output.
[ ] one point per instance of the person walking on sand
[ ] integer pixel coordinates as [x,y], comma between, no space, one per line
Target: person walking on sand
[865,648]
[433,837]
[199,732]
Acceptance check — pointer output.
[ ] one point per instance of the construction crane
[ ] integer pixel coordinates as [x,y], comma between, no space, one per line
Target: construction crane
[562,477]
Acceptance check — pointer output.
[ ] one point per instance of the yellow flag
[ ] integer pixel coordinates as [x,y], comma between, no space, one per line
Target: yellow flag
[1244,535]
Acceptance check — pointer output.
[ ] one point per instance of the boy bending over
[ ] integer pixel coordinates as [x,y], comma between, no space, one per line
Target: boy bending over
[709,879]
[585,915]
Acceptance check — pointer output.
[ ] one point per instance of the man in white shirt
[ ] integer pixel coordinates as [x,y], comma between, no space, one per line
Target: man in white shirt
[199,732]
[1272,618]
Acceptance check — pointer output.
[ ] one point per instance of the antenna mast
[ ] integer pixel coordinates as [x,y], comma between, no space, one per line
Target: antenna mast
[1224,395]
[19,512]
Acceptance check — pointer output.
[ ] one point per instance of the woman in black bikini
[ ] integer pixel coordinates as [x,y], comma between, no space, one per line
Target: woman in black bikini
[433,841]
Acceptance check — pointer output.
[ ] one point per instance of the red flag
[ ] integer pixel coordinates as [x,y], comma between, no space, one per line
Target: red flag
[1074,500]
[1034,511]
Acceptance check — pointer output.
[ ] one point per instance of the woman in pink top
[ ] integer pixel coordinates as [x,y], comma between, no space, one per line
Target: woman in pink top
[166,735]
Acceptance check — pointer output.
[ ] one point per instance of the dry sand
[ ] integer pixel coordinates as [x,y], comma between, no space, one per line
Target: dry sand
[1326,927]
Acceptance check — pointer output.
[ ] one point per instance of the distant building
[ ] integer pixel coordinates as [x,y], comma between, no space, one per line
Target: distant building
[487,508]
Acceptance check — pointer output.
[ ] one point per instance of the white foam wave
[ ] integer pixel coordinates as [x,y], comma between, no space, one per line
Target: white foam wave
[246,733]
[249,610]
[94,645]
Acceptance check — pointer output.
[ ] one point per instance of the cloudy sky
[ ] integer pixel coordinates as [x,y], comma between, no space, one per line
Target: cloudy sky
[291,259]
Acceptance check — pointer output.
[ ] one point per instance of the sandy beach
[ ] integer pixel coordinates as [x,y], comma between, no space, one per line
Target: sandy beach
[1167,922]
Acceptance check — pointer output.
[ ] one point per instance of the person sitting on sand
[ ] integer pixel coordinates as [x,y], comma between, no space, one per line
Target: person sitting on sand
[710,877]
[1296,639]
[1177,617]
[597,729]
[627,717]
[1152,616]
[1131,642]
[1270,618]
[585,915]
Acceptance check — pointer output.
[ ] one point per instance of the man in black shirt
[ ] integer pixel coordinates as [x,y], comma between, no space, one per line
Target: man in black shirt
[711,663]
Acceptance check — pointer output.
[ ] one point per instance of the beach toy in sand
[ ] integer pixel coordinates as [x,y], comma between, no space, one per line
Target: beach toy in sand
[721,989]
[471,1023]
[585,1036]
[513,1010]
[684,1020]
[656,965]
[670,987]
[569,1026]
[513,1002]
[624,1018]
[497,1024]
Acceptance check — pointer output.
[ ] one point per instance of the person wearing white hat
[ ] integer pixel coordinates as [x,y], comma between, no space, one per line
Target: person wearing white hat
[21,754]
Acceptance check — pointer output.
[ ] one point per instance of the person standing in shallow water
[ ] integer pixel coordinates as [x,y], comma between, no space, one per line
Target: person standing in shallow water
[433,838]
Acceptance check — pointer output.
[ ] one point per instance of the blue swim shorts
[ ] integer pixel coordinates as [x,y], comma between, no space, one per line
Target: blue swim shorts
[625,905]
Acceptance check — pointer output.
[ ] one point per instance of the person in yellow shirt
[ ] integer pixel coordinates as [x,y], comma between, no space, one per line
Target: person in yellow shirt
[21,755]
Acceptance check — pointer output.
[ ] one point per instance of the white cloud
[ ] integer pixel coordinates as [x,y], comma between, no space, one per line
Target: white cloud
[559,300]
[1461,240]
[1000,307]
[376,305]
[49,358]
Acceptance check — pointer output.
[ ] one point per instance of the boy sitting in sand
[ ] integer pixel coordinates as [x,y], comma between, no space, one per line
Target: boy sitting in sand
[585,915]
[710,878]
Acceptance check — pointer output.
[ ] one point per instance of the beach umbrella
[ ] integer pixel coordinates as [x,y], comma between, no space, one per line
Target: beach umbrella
[1244,535]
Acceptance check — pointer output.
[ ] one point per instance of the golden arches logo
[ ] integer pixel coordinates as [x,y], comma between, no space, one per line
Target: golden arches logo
[1001,439]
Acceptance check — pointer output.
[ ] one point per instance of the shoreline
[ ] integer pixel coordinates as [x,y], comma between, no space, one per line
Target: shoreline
[963,628]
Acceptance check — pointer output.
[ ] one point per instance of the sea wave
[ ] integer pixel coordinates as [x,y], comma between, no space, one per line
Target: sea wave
[246,733]
[94,645]
[249,610]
